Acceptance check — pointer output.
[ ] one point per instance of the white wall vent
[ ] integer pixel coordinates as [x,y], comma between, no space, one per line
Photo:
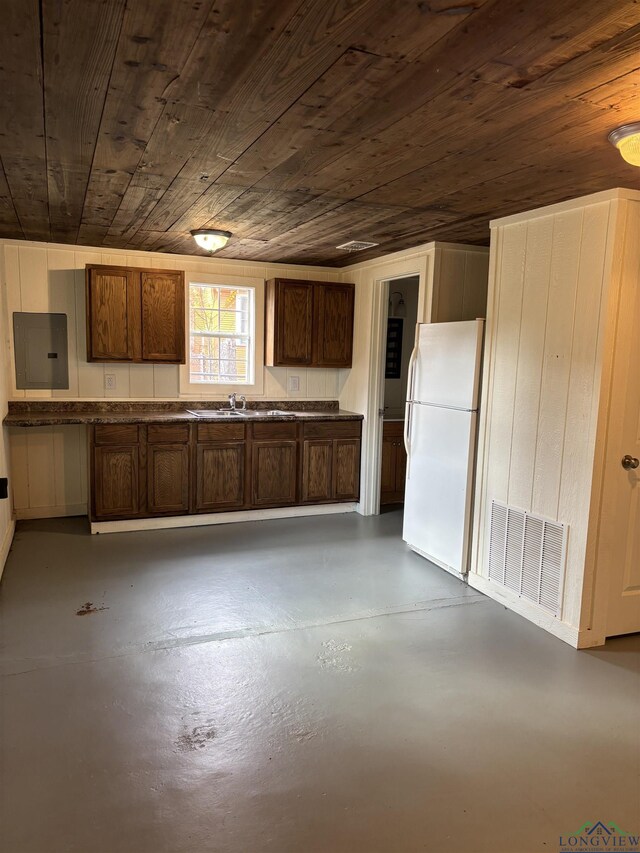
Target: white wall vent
[527,555]
[356,246]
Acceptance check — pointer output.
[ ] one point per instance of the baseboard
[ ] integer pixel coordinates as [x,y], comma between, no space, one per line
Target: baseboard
[527,609]
[587,639]
[5,547]
[218,518]
[32,512]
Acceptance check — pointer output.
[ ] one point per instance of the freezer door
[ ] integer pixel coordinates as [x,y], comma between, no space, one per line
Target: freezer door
[437,508]
[447,364]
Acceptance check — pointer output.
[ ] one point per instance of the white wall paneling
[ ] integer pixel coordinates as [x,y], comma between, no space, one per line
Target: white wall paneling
[48,277]
[552,279]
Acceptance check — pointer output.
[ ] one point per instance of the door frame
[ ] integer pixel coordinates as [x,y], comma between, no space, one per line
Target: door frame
[372,439]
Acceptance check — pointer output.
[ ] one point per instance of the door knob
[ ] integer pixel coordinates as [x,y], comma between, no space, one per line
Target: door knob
[630,463]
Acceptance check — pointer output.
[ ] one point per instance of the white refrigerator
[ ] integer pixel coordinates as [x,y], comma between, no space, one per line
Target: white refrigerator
[440,438]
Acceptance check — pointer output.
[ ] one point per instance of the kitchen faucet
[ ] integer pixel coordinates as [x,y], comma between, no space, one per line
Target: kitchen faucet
[232,401]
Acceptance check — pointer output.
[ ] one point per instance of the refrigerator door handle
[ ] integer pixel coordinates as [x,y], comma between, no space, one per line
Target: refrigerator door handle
[412,365]
[407,432]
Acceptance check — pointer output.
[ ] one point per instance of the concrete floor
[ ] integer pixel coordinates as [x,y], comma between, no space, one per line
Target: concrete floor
[295,686]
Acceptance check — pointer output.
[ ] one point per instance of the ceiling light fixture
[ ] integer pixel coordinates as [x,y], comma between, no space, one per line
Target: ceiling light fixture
[397,307]
[627,140]
[211,239]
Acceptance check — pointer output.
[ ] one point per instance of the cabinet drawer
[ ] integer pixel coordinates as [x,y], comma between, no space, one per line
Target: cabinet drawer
[221,432]
[168,433]
[393,429]
[332,429]
[116,434]
[283,429]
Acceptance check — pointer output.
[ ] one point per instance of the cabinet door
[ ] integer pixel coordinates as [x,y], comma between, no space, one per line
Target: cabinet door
[388,471]
[333,325]
[113,326]
[162,300]
[116,491]
[167,479]
[346,468]
[220,478]
[292,321]
[317,481]
[274,472]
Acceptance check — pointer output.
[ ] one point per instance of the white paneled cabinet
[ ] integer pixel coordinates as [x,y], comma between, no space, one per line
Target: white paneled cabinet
[554,343]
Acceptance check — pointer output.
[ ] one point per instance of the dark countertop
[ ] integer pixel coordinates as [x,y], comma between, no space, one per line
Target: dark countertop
[36,413]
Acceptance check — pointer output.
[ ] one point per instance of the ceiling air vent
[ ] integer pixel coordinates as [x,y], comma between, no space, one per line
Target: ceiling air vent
[356,246]
[526,555]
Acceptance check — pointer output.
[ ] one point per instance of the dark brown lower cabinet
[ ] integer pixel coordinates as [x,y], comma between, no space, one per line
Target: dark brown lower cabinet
[394,463]
[274,470]
[220,467]
[346,469]
[177,469]
[331,461]
[167,463]
[317,470]
[168,479]
[274,463]
[220,476]
[116,481]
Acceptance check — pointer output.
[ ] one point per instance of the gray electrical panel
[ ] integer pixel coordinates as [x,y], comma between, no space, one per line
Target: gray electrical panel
[40,342]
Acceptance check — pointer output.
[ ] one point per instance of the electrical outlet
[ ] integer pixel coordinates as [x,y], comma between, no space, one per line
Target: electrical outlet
[109,382]
[294,383]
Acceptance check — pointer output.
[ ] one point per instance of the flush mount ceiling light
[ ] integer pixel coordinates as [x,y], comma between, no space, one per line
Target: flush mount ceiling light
[627,140]
[211,239]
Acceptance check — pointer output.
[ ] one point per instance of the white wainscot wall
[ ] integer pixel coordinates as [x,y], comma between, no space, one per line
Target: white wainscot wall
[549,286]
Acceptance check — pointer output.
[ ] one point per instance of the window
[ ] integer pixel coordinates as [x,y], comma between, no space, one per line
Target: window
[221,322]
[225,336]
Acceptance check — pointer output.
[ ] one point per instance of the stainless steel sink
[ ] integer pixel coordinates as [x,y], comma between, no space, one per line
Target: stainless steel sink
[238,413]
[217,413]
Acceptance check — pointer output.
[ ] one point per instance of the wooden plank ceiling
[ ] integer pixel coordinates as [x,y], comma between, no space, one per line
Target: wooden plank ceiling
[301,124]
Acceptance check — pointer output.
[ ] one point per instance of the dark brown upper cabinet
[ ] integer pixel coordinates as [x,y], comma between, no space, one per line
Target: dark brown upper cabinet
[135,315]
[333,325]
[289,323]
[308,323]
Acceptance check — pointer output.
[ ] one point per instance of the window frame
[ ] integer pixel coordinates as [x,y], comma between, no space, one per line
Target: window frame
[205,390]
